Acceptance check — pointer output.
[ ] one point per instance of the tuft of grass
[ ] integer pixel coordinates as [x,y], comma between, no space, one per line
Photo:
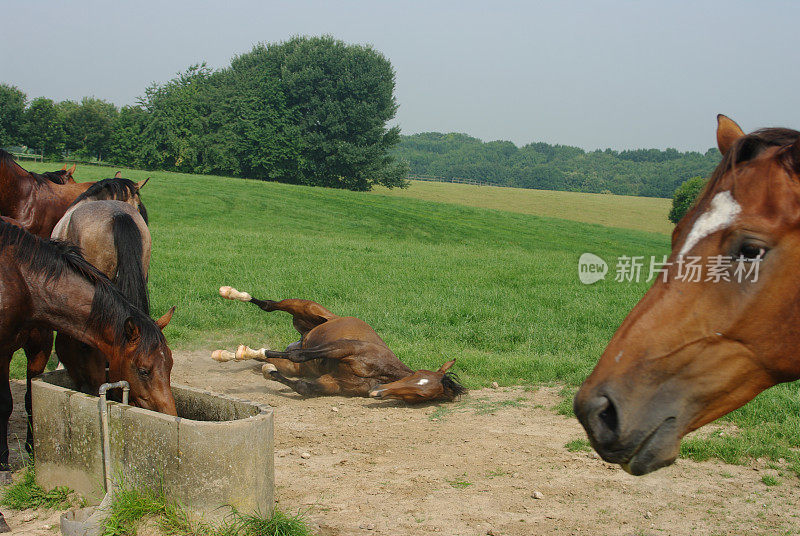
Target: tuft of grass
[770,480]
[26,493]
[578,445]
[565,406]
[460,482]
[132,506]
[484,407]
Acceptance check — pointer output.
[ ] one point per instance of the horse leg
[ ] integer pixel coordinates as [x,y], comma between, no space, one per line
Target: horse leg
[6,405]
[306,314]
[37,349]
[3,525]
[324,385]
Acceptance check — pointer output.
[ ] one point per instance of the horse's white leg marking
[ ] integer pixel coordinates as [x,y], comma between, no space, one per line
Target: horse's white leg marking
[245,352]
[722,213]
[233,294]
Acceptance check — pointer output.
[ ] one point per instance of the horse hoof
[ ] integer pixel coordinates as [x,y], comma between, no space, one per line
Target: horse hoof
[267,369]
[3,525]
[222,356]
[225,291]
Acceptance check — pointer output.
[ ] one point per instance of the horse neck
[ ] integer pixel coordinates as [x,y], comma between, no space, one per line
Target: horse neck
[16,186]
[65,304]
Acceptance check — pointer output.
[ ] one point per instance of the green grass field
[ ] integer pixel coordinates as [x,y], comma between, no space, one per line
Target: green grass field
[497,290]
[626,212]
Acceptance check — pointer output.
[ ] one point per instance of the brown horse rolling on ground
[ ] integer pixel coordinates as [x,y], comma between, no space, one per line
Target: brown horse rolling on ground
[340,356]
[692,351]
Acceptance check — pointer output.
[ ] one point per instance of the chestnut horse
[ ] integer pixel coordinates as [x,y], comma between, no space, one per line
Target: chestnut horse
[690,352]
[108,222]
[49,284]
[36,202]
[340,356]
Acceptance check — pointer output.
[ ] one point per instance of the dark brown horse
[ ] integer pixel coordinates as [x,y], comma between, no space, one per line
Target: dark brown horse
[340,356]
[36,202]
[692,351]
[109,224]
[49,284]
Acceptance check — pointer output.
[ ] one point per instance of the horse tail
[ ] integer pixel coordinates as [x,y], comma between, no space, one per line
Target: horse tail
[130,277]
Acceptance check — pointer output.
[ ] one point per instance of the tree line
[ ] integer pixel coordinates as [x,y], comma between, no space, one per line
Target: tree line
[310,110]
[644,172]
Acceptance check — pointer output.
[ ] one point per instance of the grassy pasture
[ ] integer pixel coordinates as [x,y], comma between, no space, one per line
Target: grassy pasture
[627,212]
[498,290]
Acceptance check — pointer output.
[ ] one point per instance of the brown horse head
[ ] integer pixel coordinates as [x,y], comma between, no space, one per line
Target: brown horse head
[694,349]
[145,362]
[422,386]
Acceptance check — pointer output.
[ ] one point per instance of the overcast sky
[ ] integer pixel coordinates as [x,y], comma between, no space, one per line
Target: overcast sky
[592,74]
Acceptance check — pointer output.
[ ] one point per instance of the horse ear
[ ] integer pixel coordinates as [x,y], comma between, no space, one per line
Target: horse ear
[794,156]
[727,133]
[71,170]
[444,368]
[164,320]
[140,184]
[118,175]
[131,330]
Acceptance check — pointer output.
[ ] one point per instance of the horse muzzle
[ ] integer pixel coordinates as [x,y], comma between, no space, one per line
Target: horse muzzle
[640,444]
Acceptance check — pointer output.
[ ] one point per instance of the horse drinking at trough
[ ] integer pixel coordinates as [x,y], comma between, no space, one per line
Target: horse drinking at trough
[49,284]
[109,224]
[340,356]
[694,350]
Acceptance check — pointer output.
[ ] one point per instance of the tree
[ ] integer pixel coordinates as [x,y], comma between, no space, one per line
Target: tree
[12,109]
[684,198]
[340,98]
[88,126]
[43,129]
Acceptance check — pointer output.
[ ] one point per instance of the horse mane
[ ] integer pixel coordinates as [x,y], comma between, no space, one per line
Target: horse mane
[747,148]
[54,259]
[56,177]
[112,189]
[452,385]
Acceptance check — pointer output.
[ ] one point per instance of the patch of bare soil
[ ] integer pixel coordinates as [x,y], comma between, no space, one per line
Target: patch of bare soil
[474,467]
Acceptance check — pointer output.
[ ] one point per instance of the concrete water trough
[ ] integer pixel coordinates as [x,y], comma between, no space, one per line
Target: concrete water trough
[217,452]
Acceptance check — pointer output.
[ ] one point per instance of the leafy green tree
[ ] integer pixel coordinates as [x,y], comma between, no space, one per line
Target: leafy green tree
[128,145]
[88,126]
[43,129]
[340,97]
[684,198]
[12,114]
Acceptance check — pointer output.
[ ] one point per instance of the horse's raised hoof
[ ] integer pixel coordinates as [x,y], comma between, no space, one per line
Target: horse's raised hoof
[222,356]
[231,293]
[3,525]
[267,369]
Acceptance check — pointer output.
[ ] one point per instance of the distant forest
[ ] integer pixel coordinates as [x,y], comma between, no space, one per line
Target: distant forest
[644,172]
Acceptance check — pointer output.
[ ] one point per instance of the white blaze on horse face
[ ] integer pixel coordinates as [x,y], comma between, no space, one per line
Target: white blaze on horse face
[423,381]
[721,214]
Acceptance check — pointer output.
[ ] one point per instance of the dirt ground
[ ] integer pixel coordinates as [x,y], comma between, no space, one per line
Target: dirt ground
[493,463]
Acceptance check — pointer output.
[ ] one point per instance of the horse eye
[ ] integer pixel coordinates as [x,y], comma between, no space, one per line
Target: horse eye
[751,252]
[143,372]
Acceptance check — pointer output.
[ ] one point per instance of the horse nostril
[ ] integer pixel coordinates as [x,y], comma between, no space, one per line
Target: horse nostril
[608,417]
